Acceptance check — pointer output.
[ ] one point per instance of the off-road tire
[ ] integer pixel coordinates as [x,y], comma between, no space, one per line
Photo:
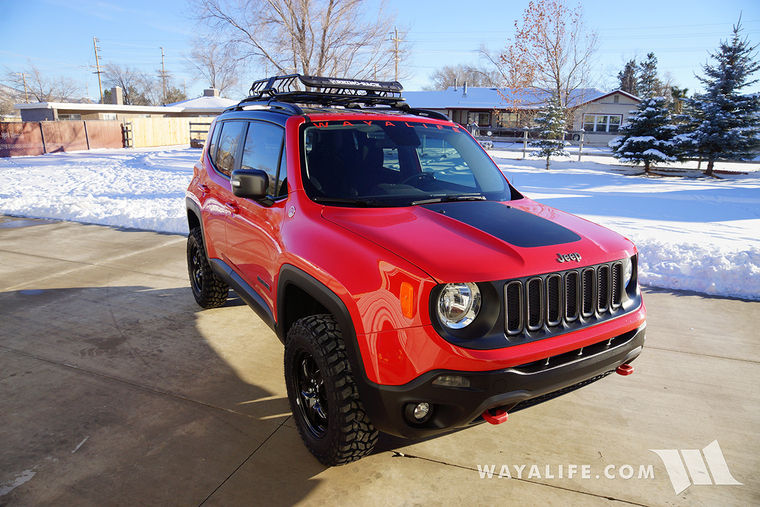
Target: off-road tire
[323,397]
[209,290]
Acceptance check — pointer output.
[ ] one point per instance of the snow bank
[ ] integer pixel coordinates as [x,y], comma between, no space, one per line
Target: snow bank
[138,189]
[697,234]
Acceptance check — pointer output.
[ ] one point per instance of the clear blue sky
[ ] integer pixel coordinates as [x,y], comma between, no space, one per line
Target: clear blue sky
[56,35]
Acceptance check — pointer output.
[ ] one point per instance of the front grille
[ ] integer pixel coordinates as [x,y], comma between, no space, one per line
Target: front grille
[566,299]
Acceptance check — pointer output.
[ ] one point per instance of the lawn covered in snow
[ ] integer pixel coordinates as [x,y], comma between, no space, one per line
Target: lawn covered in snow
[692,232]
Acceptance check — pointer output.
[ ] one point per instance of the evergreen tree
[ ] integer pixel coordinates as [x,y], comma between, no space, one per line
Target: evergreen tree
[725,124]
[627,78]
[648,84]
[550,126]
[648,136]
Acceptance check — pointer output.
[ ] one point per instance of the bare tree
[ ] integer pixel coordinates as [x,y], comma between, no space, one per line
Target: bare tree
[8,98]
[139,88]
[452,75]
[42,88]
[552,51]
[317,37]
[215,63]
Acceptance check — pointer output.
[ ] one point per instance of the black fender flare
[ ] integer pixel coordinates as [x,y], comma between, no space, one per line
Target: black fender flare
[368,390]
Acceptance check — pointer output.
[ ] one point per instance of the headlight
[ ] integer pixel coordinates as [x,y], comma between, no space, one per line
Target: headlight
[627,271]
[458,304]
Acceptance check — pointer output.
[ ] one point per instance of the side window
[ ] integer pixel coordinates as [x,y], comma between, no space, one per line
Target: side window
[214,142]
[262,150]
[229,141]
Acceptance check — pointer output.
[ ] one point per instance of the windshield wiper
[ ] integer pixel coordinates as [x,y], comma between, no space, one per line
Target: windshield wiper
[367,203]
[449,198]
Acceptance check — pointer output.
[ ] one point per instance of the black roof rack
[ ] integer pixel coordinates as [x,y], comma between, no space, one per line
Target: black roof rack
[285,92]
[326,90]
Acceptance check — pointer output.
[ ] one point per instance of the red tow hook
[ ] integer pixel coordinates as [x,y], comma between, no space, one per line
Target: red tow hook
[624,369]
[499,417]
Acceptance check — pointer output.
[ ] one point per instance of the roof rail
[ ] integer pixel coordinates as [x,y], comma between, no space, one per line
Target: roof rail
[283,93]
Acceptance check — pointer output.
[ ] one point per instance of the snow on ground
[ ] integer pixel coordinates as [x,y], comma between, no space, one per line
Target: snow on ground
[693,233]
[132,188]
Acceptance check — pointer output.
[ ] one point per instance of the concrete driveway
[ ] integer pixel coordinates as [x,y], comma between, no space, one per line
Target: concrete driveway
[116,389]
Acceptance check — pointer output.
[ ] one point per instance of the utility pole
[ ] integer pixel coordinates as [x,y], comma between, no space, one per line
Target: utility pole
[26,93]
[396,40]
[97,67]
[163,75]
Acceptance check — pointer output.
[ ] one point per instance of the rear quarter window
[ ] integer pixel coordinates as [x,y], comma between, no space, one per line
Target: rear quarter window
[228,151]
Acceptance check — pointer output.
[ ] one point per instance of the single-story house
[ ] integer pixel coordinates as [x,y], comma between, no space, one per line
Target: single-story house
[507,113]
[210,104]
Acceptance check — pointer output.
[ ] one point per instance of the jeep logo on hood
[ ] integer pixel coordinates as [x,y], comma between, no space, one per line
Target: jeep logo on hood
[568,257]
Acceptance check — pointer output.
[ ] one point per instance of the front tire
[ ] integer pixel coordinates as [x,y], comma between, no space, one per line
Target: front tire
[323,397]
[209,290]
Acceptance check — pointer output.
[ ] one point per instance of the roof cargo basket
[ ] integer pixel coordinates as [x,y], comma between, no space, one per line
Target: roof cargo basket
[326,91]
[284,92]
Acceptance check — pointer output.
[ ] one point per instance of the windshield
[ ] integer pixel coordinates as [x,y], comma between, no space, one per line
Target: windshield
[396,163]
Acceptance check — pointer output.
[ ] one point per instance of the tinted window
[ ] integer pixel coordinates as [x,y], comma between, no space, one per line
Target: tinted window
[214,142]
[229,141]
[396,162]
[263,146]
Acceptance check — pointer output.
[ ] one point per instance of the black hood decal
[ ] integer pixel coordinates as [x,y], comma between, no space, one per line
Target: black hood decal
[510,225]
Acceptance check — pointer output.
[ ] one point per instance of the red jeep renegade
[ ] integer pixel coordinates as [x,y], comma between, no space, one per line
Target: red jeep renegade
[415,290]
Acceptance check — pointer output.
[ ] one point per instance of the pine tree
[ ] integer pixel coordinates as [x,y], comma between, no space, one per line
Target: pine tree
[627,78]
[550,126]
[648,84]
[649,136]
[725,124]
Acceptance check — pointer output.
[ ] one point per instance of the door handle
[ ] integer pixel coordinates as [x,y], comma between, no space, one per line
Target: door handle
[233,207]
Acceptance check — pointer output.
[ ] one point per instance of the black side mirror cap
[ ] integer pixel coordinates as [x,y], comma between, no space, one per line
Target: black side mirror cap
[250,183]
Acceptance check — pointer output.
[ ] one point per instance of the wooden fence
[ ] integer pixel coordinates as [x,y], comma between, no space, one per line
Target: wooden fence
[38,138]
[149,132]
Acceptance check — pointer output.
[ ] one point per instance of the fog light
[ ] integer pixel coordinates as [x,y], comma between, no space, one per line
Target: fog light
[418,412]
[421,411]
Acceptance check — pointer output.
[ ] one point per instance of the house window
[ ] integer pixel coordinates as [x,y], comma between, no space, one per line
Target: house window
[508,120]
[602,122]
[69,117]
[109,116]
[482,119]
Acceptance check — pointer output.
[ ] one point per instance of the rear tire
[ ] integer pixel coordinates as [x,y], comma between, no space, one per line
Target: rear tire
[323,397]
[209,290]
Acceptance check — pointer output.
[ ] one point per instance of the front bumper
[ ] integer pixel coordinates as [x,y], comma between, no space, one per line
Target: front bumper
[509,389]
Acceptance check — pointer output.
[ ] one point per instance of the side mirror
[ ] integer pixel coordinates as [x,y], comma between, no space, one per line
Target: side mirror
[250,183]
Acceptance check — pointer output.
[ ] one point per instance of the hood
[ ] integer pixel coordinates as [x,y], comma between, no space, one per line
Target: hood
[473,241]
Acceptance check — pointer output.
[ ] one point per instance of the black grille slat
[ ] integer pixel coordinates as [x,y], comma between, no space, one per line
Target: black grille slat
[572,281]
[603,289]
[617,284]
[514,296]
[535,298]
[553,287]
[588,292]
